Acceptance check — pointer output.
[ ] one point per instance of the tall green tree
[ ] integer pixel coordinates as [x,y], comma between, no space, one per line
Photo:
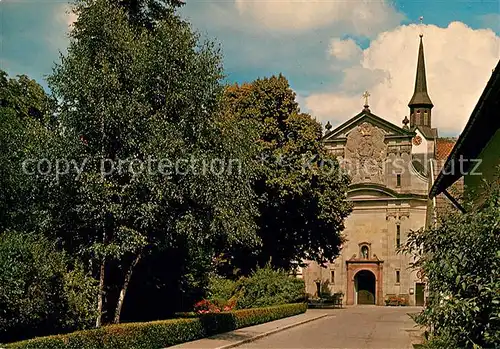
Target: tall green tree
[26,123]
[161,166]
[147,13]
[300,187]
[460,258]
[43,291]
[25,98]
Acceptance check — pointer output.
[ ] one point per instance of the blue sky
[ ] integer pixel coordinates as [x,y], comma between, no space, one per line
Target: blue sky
[330,51]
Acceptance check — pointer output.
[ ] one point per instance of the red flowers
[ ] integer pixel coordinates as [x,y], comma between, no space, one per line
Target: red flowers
[205,306]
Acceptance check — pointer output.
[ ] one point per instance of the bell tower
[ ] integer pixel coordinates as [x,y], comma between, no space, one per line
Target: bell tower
[420,104]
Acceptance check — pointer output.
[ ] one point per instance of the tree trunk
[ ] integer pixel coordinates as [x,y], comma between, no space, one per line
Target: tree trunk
[103,262]
[100,295]
[123,291]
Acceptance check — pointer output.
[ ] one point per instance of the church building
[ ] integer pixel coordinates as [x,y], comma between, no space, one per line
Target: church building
[391,172]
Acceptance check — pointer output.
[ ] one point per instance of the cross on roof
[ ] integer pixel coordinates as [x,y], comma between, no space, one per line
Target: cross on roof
[365,96]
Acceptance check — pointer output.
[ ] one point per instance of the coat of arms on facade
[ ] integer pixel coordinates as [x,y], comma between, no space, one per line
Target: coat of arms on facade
[365,154]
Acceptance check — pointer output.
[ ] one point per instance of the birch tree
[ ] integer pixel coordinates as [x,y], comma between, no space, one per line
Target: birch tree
[141,105]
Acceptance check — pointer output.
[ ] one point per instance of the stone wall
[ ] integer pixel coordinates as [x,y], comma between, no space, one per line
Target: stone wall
[373,224]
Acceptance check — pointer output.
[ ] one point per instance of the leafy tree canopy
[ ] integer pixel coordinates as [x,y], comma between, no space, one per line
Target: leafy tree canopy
[147,96]
[460,257]
[25,98]
[147,13]
[26,119]
[300,188]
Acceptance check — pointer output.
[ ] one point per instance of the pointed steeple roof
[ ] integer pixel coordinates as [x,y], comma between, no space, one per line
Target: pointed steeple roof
[420,95]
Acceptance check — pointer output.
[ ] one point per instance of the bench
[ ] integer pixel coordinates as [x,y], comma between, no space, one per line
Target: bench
[337,301]
[327,301]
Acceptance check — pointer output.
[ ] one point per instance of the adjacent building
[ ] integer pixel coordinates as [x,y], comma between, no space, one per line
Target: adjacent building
[476,155]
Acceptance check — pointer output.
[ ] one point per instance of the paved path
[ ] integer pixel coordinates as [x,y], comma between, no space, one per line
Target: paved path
[237,337]
[355,327]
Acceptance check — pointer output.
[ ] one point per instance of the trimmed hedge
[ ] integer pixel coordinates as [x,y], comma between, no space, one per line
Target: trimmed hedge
[161,334]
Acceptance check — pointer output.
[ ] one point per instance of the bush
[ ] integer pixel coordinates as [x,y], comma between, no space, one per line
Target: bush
[222,295]
[461,261]
[80,293]
[267,287]
[37,294]
[221,290]
[161,334]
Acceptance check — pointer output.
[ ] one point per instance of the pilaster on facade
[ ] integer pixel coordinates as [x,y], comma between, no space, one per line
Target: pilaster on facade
[397,213]
[399,149]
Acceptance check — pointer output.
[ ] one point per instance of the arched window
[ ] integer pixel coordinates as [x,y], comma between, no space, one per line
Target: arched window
[365,252]
[417,117]
[426,118]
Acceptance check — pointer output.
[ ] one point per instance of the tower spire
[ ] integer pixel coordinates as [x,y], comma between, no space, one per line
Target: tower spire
[420,95]
[420,104]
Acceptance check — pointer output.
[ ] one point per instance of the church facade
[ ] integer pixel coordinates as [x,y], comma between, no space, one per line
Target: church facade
[391,175]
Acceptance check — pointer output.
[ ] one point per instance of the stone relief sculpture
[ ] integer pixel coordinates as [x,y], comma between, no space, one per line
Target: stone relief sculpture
[365,154]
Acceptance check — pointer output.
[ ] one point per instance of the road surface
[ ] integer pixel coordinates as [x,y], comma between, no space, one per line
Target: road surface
[355,327]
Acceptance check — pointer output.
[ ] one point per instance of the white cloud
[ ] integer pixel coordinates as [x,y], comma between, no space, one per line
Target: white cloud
[58,25]
[345,49]
[459,61]
[356,78]
[71,18]
[260,38]
[363,18]
[321,105]
[66,15]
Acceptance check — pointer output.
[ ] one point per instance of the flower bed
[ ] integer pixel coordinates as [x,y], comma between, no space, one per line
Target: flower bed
[161,334]
[205,306]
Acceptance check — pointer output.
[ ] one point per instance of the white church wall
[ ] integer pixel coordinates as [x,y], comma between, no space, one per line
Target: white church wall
[423,147]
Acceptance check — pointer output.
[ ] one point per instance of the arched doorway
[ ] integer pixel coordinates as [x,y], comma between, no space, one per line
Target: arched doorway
[364,283]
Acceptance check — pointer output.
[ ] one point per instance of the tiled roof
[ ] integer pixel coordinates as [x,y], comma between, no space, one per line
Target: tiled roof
[444,147]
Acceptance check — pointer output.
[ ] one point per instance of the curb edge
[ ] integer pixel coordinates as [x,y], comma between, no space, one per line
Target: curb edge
[268,333]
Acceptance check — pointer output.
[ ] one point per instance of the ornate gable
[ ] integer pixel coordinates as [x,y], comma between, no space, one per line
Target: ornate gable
[364,143]
[365,152]
[341,132]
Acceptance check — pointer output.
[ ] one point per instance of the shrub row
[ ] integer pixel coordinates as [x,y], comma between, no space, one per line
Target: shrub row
[265,287]
[39,296]
[161,334]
